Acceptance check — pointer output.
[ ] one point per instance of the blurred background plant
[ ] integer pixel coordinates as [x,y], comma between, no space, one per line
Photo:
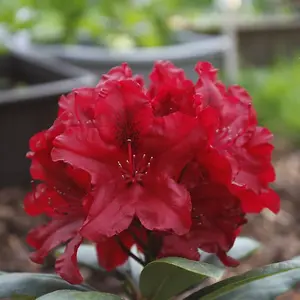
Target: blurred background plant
[275,91]
[119,23]
[125,24]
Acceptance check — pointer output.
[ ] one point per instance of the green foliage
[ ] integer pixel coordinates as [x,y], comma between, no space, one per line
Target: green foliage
[71,295]
[266,288]
[235,287]
[33,285]
[164,278]
[268,6]
[22,297]
[17,14]
[275,92]
[117,24]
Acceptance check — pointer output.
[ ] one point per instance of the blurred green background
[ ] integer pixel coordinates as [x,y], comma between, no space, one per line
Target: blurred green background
[144,23]
[149,23]
[276,94]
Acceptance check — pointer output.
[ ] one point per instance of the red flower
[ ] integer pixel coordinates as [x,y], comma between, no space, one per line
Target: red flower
[216,214]
[235,162]
[170,90]
[184,161]
[65,197]
[133,159]
[237,139]
[113,252]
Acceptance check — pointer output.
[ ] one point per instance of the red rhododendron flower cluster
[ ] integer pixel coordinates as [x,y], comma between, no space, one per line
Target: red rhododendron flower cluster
[173,168]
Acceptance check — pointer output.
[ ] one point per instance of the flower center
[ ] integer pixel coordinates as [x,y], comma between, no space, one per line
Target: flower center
[136,167]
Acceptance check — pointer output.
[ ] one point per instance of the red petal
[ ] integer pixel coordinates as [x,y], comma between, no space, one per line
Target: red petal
[179,246]
[255,203]
[173,142]
[120,73]
[112,210]
[110,254]
[206,69]
[253,171]
[227,260]
[208,118]
[164,205]
[123,113]
[210,92]
[170,90]
[216,214]
[66,265]
[78,105]
[57,175]
[216,164]
[83,148]
[37,201]
[46,238]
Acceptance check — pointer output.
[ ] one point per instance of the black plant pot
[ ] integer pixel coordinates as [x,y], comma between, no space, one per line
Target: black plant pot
[31,107]
[189,49]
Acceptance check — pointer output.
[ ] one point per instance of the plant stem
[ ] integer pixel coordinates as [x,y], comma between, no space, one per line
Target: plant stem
[138,241]
[129,253]
[145,246]
[131,288]
[149,254]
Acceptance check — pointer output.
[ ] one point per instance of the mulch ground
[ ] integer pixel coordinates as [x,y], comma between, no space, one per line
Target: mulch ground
[279,235]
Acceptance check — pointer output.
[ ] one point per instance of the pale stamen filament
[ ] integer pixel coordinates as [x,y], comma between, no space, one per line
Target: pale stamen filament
[135,171]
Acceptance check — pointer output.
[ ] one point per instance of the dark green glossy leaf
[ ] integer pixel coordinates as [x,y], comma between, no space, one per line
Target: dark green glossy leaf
[224,287]
[75,295]
[164,278]
[242,248]
[22,297]
[30,284]
[267,288]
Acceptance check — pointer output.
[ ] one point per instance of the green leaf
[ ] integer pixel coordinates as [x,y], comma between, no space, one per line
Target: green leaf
[224,287]
[167,277]
[22,297]
[267,288]
[242,248]
[31,284]
[71,295]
